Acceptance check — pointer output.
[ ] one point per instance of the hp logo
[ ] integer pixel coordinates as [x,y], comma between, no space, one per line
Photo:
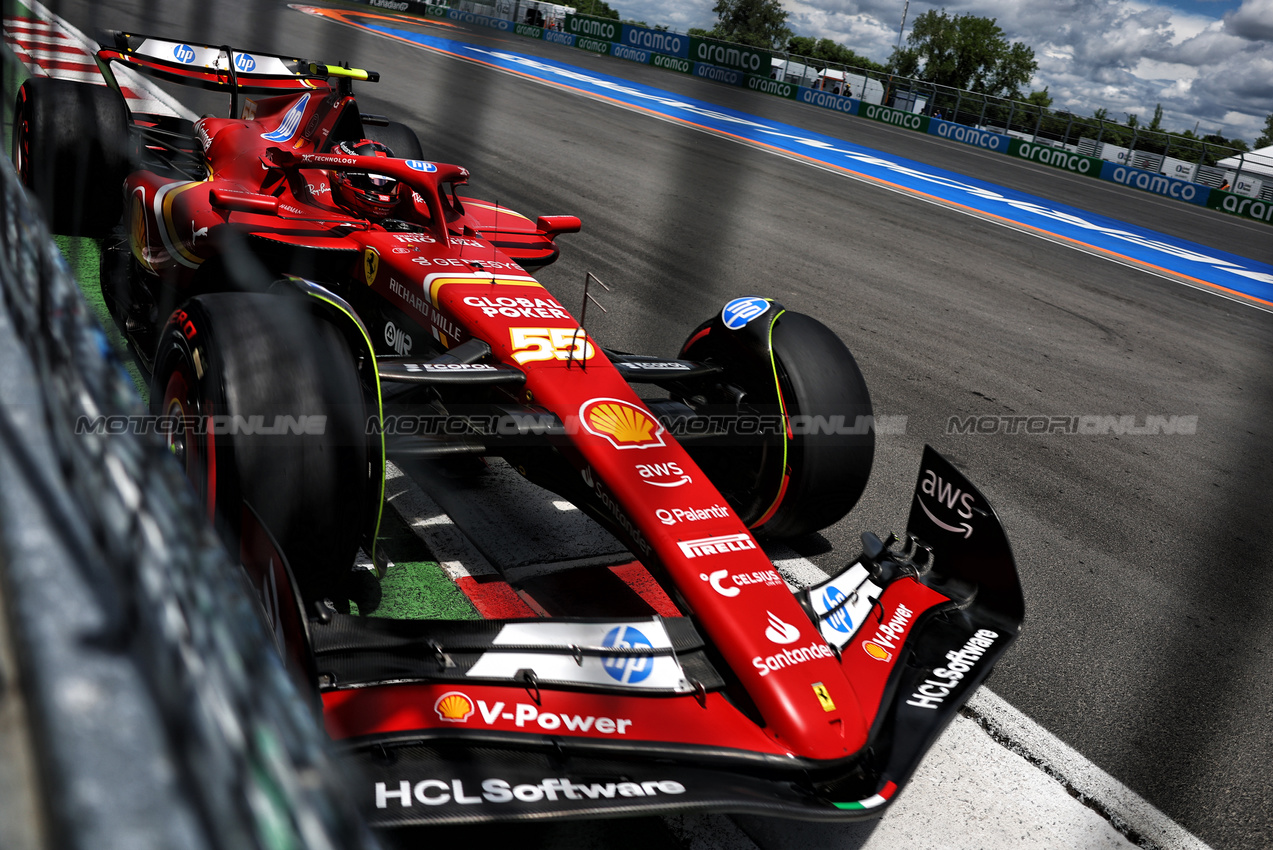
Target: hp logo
[244,63]
[421,165]
[183,53]
[627,669]
[740,311]
[838,620]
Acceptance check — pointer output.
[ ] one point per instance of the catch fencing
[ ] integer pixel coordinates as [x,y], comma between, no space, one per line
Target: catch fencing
[162,714]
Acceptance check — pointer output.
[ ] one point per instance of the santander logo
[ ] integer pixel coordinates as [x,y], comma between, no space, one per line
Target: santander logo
[780,632]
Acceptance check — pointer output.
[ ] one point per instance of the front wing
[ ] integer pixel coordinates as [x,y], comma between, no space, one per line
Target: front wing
[461,722]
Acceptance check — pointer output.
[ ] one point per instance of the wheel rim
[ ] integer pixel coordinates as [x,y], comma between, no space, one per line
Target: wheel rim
[21,147]
[195,449]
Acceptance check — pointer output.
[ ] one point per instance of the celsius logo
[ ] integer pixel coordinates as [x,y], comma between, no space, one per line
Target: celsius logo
[715,579]
[740,311]
[627,669]
[421,165]
[245,63]
[839,619]
[184,53]
[780,632]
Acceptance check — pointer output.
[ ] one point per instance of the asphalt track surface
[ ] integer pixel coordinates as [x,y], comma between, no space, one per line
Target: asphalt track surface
[1148,637]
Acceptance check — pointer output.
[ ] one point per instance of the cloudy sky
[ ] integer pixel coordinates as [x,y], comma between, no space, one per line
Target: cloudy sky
[1208,62]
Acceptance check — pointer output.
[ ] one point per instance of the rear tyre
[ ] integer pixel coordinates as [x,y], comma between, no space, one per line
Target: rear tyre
[399,138]
[72,150]
[808,477]
[234,366]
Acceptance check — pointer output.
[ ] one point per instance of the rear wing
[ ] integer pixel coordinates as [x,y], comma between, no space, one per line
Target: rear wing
[220,68]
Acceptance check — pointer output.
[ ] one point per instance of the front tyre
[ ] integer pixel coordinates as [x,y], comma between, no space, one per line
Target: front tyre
[809,464]
[267,410]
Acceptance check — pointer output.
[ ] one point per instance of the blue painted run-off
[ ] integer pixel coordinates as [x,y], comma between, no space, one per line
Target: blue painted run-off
[1239,275]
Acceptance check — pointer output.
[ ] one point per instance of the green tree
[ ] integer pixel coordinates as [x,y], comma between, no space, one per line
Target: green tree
[756,23]
[826,50]
[1040,98]
[1266,138]
[1155,123]
[965,52]
[596,8]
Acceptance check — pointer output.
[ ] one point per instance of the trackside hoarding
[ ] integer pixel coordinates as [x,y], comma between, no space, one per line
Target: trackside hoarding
[601,29]
[630,54]
[480,20]
[968,135]
[1152,181]
[896,117]
[827,100]
[1252,208]
[757,82]
[1075,163]
[717,74]
[737,57]
[672,63]
[656,41]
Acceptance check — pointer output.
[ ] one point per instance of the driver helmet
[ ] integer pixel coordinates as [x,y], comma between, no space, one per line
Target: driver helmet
[364,193]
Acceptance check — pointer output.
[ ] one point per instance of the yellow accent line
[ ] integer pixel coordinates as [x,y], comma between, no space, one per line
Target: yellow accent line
[380,409]
[438,283]
[468,202]
[337,71]
[782,405]
[174,239]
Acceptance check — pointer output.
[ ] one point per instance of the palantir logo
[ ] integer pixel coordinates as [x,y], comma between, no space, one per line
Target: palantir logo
[740,311]
[183,53]
[245,63]
[838,620]
[626,668]
[780,632]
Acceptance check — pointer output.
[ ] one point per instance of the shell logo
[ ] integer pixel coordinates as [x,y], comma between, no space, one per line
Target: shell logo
[454,707]
[625,425]
[876,651]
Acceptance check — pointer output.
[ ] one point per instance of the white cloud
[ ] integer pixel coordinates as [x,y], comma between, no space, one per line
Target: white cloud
[1121,55]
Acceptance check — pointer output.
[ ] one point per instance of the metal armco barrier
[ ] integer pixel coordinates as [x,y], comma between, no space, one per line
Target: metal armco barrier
[162,716]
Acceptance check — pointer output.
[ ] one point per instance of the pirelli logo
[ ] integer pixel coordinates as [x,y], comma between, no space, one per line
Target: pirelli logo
[717,545]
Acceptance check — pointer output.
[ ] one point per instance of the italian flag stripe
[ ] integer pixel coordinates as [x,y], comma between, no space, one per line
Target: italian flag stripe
[871,802]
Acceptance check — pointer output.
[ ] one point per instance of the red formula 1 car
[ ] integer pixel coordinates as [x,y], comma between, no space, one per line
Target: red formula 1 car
[300,281]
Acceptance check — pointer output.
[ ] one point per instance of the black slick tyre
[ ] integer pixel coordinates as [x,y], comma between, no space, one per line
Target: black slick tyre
[272,415]
[807,474]
[399,138]
[72,150]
